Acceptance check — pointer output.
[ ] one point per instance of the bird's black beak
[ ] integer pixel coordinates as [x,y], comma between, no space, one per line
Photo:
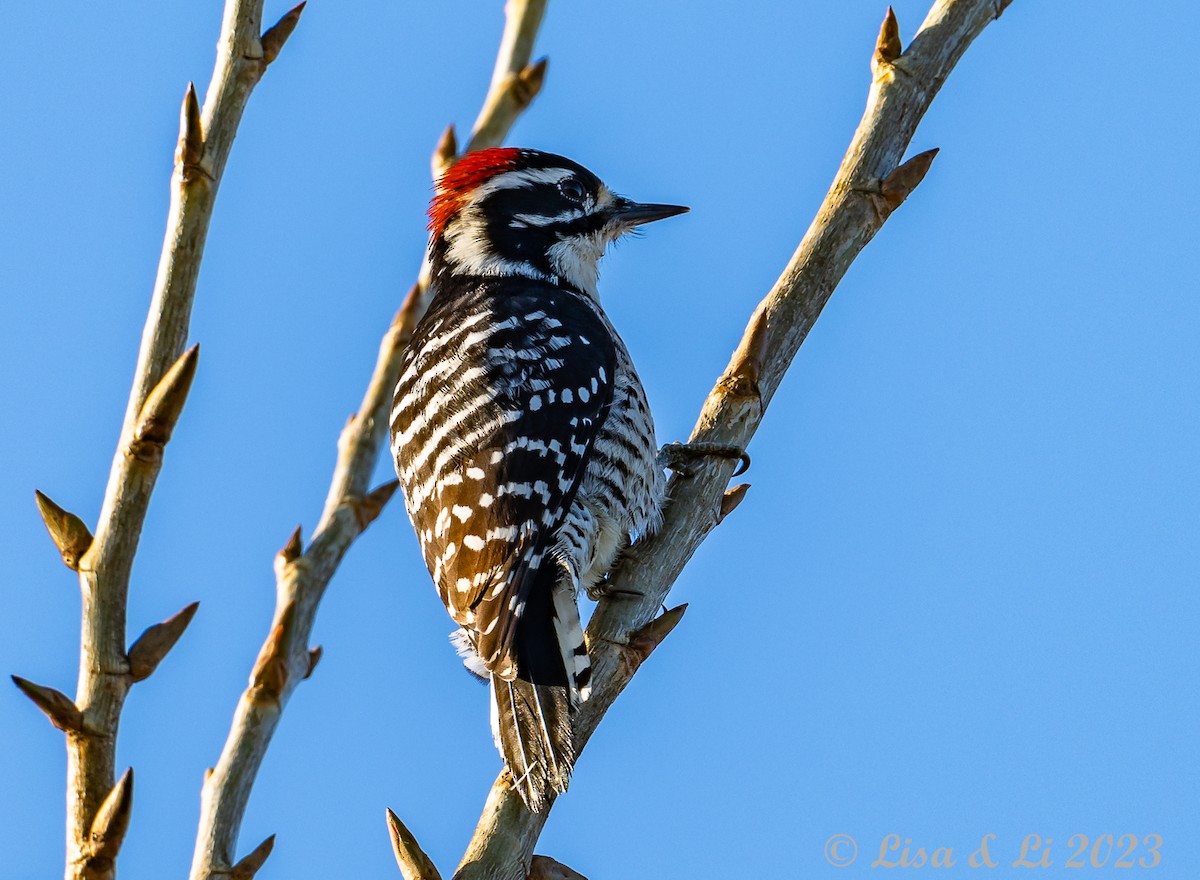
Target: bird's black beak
[636,213]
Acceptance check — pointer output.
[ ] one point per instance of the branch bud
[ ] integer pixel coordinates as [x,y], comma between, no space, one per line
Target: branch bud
[112,820]
[731,499]
[743,376]
[160,412]
[650,636]
[190,150]
[546,868]
[368,508]
[314,657]
[274,37]
[68,531]
[270,674]
[413,863]
[888,47]
[905,178]
[445,153]
[526,85]
[59,708]
[153,645]
[290,553]
[248,867]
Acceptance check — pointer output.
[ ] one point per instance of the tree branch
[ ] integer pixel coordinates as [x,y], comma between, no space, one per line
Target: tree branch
[303,573]
[868,186]
[98,806]
[515,83]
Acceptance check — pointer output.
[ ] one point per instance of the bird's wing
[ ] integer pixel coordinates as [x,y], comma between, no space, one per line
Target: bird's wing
[518,384]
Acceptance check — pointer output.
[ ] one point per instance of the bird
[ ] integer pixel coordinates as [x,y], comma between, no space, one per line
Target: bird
[523,437]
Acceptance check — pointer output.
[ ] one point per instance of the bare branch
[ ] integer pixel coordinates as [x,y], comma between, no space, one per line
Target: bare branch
[623,631]
[515,82]
[159,389]
[303,573]
[411,859]
[516,92]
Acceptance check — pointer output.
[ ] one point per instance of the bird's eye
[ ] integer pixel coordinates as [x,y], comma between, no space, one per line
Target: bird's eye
[572,189]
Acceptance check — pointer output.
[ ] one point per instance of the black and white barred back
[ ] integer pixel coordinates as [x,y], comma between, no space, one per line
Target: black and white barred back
[523,440]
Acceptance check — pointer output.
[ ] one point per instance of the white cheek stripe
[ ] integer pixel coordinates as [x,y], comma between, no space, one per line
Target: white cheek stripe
[519,179]
[539,220]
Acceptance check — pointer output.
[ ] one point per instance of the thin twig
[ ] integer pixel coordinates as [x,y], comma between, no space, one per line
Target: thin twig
[160,385]
[303,573]
[515,82]
[865,190]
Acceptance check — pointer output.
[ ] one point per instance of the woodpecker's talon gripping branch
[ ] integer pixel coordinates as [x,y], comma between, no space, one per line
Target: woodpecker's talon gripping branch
[679,457]
[605,590]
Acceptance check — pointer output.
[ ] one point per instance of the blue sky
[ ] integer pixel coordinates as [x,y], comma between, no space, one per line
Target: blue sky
[960,598]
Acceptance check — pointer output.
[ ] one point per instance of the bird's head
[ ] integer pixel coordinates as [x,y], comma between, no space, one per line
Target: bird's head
[508,211]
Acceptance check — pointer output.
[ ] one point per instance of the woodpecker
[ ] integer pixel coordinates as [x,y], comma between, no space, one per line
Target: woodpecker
[523,438]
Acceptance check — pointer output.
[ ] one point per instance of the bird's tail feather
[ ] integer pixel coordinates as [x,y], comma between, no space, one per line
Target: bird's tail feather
[532,726]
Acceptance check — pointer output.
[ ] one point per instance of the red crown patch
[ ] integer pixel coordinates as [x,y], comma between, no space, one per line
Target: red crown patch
[463,176]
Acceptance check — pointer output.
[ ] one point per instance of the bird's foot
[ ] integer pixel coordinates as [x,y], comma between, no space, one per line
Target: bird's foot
[680,457]
[605,590]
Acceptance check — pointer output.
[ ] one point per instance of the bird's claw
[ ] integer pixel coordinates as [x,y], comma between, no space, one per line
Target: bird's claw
[678,456]
[605,590]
